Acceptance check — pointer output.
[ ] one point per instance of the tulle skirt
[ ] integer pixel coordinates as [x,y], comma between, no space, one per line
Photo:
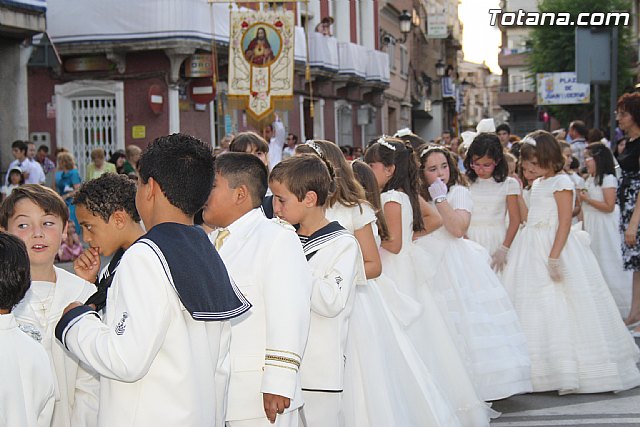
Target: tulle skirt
[479,315]
[576,338]
[603,228]
[432,346]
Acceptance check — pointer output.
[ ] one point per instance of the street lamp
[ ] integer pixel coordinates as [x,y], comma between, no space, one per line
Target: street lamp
[440,68]
[405,24]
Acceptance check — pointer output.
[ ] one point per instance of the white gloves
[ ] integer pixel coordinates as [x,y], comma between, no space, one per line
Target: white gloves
[499,258]
[555,269]
[438,189]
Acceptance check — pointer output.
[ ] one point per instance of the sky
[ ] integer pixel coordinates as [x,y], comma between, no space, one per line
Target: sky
[480,41]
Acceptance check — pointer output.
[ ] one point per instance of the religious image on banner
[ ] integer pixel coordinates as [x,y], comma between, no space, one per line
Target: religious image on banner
[261,61]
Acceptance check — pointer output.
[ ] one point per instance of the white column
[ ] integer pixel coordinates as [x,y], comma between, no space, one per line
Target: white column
[176,56]
[174,109]
[303,136]
[14,111]
[368,37]
[342,24]
[314,9]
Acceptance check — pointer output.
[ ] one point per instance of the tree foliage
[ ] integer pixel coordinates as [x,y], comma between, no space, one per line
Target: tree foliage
[553,50]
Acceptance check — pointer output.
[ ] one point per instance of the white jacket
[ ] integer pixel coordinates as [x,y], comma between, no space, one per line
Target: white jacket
[26,390]
[266,262]
[77,387]
[159,367]
[337,268]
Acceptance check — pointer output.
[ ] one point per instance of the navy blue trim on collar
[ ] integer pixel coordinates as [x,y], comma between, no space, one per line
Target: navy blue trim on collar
[196,271]
[313,243]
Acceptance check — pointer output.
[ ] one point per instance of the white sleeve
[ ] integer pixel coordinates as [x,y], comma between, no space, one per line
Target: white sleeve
[332,286]
[46,410]
[223,372]
[280,134]
[391,196]
[86,404]
[287,300]
[460,199]
[361,219]
[609,181]
[125,348]
[562,182]
[512,186]
[37,169]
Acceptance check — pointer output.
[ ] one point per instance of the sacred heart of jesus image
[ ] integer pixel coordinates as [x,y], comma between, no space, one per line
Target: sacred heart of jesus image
[261,44]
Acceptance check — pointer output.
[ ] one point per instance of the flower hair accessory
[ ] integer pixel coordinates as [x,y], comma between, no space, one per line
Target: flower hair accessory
[529,140]
[315,147]
[382,141]
[402,132]
[424,152]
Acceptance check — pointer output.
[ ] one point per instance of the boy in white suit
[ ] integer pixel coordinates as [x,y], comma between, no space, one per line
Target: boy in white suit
[38,216]
[162,350]
[301,186]
[269,340]
[26,389]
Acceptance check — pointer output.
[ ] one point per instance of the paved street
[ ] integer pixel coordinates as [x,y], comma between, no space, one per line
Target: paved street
[549,409]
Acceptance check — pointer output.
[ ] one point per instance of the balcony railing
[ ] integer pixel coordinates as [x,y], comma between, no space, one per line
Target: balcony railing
[71,22]
[378,67]
[353,59]
[323,51]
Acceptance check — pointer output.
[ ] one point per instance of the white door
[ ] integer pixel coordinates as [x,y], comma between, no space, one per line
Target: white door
[94,126]
[89,115]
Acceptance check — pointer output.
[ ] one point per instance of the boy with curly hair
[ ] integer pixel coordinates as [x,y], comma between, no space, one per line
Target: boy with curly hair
[162,347]
[106,211]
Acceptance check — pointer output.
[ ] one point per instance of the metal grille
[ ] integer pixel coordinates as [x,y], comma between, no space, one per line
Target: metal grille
[94,126]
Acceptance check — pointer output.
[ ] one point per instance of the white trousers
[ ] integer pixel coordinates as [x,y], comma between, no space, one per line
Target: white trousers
[322,409]
[289,419]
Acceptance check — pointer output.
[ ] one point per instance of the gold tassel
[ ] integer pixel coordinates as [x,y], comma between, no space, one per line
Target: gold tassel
[311,109]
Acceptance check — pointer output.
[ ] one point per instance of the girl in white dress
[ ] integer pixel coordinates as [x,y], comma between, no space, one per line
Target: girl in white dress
[494,194]
[576,338]
[578,182]
[375,394]
[468,290]
[602,221]
[428,333]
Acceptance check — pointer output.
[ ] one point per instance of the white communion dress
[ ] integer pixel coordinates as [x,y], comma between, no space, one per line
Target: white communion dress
[480,314]
[576,338]
[427,331]
[487,227]
[603,228]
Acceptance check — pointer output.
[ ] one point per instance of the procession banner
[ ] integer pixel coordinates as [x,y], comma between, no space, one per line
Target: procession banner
[261,61]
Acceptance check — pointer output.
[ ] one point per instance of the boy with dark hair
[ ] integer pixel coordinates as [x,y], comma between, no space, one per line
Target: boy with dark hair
[301,186]
[279,286]
[106,211]
[252,143]
[26,389]
[31,170]
[504,133]
[578,133]
[39,216]
[162,349]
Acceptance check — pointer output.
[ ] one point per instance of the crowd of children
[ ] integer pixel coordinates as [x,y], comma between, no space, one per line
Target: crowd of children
[394,291]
